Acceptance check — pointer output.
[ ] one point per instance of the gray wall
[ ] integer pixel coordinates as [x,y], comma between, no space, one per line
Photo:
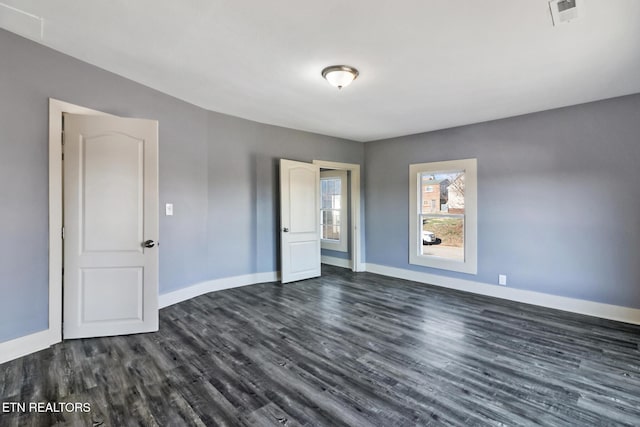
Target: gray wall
[243,177]
[558,193]
[218,171]
[558,199]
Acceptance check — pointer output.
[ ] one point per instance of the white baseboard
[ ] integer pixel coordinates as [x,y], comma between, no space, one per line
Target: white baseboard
[18,347]
[202,288]
[338,262]
[590,308]
[32,343]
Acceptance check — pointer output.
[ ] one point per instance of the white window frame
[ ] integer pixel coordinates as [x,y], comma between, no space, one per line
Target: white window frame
[342,244]
[470,263]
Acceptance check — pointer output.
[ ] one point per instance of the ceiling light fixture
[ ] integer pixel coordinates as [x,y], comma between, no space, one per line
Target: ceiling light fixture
[340,75]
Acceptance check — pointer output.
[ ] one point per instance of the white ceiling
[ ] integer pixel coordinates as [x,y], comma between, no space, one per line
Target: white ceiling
[424,64]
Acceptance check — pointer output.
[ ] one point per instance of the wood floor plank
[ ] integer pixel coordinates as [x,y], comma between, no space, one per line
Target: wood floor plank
[345,349]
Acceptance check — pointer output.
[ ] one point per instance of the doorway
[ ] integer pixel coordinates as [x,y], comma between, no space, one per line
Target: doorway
[353,218]
[101,145]
[300,225]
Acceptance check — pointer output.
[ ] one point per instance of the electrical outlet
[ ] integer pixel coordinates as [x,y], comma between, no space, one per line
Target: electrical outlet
[169,209]
[502,279]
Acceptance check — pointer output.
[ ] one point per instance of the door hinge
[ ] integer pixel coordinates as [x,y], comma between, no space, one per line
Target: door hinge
[62,233]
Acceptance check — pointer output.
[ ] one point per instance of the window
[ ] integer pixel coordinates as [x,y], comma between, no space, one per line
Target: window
[333,210]
[443,227]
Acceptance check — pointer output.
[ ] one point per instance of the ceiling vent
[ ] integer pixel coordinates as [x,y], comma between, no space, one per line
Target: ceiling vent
[565,11]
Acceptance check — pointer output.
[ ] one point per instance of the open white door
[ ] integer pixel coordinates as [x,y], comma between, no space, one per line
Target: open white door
[300,220]
[110,226]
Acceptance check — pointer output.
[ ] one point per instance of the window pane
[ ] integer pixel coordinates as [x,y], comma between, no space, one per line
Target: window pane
[335,202]
[331,232]
[326,198]
[442,192]
[443,236]
[331,217]
[330,224]
[330,193]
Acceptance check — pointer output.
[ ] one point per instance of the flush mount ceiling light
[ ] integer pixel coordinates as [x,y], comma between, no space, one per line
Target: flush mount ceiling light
[340,75]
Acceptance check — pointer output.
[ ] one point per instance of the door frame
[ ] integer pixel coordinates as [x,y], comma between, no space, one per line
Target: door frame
[356,208]
[56,203]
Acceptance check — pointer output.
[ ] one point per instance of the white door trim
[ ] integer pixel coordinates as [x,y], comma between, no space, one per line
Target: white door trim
[37,341]
[356,207]
[56,108]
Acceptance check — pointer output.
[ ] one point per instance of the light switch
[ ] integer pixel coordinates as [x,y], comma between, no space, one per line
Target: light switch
[169,209]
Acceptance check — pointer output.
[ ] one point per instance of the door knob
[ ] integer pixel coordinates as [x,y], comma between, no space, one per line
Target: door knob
[149,243]
[286,230]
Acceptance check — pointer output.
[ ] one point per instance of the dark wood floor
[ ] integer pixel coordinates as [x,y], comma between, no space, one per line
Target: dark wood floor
[344,349]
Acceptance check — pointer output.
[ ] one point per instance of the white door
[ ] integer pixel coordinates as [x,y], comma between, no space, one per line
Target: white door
[110,226]
[299,220]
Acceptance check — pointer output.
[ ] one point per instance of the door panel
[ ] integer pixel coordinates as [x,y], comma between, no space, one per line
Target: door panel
[302,200]
[112,168]
[300,220]
[110,209]
[303,257]
[110,294]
